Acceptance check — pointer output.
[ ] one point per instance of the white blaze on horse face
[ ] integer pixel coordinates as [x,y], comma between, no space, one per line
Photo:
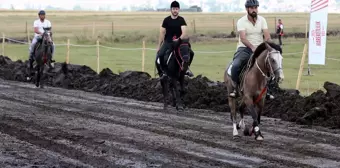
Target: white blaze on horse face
[277,67]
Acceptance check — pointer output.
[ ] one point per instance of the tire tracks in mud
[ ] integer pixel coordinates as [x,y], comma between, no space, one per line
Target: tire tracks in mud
[155,146]
[157,126]
[173,134]
[221,118]
[52,136]
[17,130]
[156,131]
[16,153]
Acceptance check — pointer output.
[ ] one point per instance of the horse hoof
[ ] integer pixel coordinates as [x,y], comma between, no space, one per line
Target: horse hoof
[165,107]
[179,108]
[259,138]
[41,86]
[238,126]
[236,136]
[246,131]
[173,104]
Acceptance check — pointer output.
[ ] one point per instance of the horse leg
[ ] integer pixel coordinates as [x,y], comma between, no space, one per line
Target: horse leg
[260,106]
[242,108]
[182,89]
[179,105]
[253,113]
[173,94]
[232,105]
[42,76]
[38,75]
[164,83]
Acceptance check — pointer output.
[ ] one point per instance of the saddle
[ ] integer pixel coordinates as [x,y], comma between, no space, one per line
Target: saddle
[172,52]
[37,45]
[243,69]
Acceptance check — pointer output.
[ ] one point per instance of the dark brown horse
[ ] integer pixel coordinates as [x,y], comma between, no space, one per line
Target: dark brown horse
[265,64]
[42,56]
[177,60]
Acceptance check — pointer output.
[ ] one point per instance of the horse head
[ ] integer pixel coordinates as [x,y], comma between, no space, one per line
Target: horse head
[47,37]
[273,62]
[182,51]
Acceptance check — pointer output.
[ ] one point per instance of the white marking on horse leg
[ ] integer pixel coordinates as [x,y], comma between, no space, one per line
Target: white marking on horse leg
[235,132]
[242,124]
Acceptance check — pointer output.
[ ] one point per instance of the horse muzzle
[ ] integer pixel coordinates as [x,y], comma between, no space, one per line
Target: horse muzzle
[280,76]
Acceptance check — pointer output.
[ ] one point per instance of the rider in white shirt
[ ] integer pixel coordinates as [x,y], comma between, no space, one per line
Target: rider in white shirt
[253,30]
[38,25]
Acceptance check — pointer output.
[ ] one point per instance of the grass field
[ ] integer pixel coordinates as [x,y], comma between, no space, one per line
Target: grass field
[131,28]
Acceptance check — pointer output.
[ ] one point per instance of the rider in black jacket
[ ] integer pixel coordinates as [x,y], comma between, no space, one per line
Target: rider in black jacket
[173,28]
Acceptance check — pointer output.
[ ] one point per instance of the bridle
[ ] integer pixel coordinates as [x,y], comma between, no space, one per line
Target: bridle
[268,64]
[47,40]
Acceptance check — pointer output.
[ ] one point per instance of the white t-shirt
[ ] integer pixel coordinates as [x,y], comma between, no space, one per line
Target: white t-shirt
[254,34]
[41,25]
[281,26]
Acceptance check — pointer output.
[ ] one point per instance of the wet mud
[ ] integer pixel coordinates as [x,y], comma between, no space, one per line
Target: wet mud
[56,127]
[318,109]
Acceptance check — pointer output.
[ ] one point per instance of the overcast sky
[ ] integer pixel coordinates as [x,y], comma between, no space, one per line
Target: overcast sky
[69,4]
[119,4]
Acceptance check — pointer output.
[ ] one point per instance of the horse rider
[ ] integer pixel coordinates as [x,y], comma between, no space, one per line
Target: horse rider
[251,27]
[38,25]
[172,29]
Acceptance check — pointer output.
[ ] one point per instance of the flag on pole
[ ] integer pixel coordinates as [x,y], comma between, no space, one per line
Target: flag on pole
[318,32]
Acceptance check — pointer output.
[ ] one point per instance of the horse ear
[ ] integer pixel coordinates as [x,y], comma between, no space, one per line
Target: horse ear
[268,46]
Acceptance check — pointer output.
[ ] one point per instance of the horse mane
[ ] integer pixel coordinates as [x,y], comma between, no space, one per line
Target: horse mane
[261,48]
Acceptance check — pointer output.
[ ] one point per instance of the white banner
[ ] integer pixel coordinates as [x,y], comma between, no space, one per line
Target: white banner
[318,32]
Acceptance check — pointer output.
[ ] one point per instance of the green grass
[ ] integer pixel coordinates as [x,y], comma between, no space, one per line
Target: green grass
[208,64]
[135,26]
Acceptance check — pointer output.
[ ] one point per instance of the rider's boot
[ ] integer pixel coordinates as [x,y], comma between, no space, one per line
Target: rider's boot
[234,93]
[189,73]
[52,53]
[31,60]
[270,96]
[164,74]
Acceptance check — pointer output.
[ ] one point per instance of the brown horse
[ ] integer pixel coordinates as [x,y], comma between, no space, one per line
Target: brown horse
[265,64]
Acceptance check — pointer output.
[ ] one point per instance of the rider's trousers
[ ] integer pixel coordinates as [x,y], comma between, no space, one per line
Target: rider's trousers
[240,59]
[166,47]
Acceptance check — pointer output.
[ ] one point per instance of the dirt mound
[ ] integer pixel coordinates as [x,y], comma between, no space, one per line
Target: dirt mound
[317,109]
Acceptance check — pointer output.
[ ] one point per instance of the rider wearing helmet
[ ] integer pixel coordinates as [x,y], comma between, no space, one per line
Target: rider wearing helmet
[172,28]
[251,27]
[38,25]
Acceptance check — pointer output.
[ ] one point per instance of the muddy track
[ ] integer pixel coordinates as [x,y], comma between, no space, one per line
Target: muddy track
[67,128]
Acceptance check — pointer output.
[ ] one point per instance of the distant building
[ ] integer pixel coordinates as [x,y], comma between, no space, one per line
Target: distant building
[194,8]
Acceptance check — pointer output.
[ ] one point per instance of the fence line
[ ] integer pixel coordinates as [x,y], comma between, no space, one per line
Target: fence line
[134,49]
[143,49]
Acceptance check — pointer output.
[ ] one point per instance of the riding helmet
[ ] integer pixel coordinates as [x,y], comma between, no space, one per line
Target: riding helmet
[251,3]
[42,12]
[174,4]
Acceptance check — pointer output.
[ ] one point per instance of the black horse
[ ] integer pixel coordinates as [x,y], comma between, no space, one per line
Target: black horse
[42,55]
[177,61]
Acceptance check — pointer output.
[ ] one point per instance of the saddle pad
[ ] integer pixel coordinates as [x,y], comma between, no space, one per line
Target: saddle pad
[229,69]
[167,61]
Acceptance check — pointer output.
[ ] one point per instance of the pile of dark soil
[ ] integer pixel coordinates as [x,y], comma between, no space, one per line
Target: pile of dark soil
[317,109]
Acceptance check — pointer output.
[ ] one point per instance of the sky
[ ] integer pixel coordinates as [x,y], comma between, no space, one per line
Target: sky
[301,5]
[69,4]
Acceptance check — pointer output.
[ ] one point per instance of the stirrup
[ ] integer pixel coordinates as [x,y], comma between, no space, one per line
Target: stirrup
[233,94]
[270,96]
[189,73]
